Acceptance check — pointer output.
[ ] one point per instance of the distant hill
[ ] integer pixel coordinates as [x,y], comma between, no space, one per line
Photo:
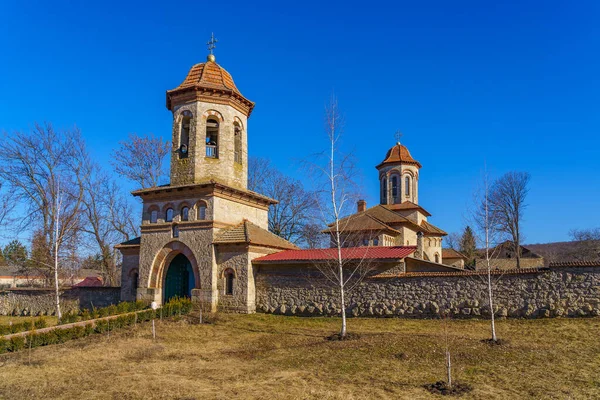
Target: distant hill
[567,251]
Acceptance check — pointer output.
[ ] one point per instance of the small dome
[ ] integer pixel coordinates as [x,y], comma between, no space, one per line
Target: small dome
[208,75]
[210,80]
[399,154]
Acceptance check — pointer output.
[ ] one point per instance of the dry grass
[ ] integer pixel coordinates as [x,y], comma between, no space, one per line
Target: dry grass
[273,357]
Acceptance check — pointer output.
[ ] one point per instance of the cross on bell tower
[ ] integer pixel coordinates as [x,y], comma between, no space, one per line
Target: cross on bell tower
[211,44]
[398,135]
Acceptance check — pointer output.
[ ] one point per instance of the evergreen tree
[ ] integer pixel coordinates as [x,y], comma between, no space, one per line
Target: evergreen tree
[468,245]
[15,253]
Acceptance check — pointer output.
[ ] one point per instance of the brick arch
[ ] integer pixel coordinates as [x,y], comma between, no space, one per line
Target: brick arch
[239,122]
[164,257]
[212,113]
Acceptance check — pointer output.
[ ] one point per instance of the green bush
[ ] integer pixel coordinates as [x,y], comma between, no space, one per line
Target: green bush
[3,345]
[40,323]
[16,343]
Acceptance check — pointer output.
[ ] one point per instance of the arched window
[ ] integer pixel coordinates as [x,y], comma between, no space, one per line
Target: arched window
[175,231]
[395,189]
[185,213]
[184,135]
[384,190]
[169,215]
[229,281]
[201,210]
[376,242]
[237,143]
[407,185]
[212,138]
[437,258]
[153,216]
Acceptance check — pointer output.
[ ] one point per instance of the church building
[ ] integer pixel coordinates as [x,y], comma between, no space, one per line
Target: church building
[205,235]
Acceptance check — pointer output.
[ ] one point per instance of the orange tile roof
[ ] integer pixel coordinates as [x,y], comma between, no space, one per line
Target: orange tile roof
[361,222]
[556,264]
[249,233]
[451,253]
[399,154]
[348,253]
[211,77]
[431,229]
[407,205]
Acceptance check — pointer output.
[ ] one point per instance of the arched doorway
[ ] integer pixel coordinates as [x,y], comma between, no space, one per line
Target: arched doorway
[179,280]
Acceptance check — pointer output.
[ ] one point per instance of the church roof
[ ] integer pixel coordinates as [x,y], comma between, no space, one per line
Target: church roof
[451,253]
[348,253]
[249,233]
[209,75]
[361,222]
[399,154]
[431,229]
[407,205]
[206,79]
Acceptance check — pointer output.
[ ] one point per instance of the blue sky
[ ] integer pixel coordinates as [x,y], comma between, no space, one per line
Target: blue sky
[512,85]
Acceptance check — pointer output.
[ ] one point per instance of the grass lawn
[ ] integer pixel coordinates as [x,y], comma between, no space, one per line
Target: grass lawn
[6,320]
[274,357]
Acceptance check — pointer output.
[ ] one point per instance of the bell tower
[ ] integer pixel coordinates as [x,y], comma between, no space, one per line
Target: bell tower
[210,115]
[399,176]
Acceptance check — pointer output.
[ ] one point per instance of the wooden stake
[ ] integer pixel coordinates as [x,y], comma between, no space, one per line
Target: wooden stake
[153,331]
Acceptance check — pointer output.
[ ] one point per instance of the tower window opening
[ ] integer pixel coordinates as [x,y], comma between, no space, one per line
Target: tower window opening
[395,189]
[169,215]
[184,136]
[237,144]
[384,190]
[185,213]
[153,216]
[202,211]
[407,185]
[212,139]
[175,231]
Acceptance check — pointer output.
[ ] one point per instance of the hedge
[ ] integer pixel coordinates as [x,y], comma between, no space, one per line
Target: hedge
[172,308]
[38,323]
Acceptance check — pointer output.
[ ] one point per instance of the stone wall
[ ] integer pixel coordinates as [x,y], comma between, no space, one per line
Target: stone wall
[42,301]
[572,292]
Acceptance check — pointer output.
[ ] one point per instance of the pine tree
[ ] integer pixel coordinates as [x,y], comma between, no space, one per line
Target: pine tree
[15,253]
[468,245]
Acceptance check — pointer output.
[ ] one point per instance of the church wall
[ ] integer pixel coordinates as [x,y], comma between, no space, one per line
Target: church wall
[432,246]
[568,292]
[131,262]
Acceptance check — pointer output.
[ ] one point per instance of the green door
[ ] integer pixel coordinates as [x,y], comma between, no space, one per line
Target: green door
[180,278]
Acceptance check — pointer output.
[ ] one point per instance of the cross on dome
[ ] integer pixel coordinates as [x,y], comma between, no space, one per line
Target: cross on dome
[211,44]
[398,135]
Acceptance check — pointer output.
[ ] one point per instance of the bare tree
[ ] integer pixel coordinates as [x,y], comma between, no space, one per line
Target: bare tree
[507,203]
[44,171]
[588,243]
[487,227]
[335,200]
[141,158]
[296,206]
[452,241]
[109,220]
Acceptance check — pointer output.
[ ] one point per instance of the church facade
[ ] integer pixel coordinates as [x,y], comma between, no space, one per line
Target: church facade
[205,235]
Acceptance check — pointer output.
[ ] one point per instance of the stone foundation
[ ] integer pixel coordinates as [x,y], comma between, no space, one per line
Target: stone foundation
[561,292]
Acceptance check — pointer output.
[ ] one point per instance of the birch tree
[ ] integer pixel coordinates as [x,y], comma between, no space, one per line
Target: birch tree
[335,199]
[487,227]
